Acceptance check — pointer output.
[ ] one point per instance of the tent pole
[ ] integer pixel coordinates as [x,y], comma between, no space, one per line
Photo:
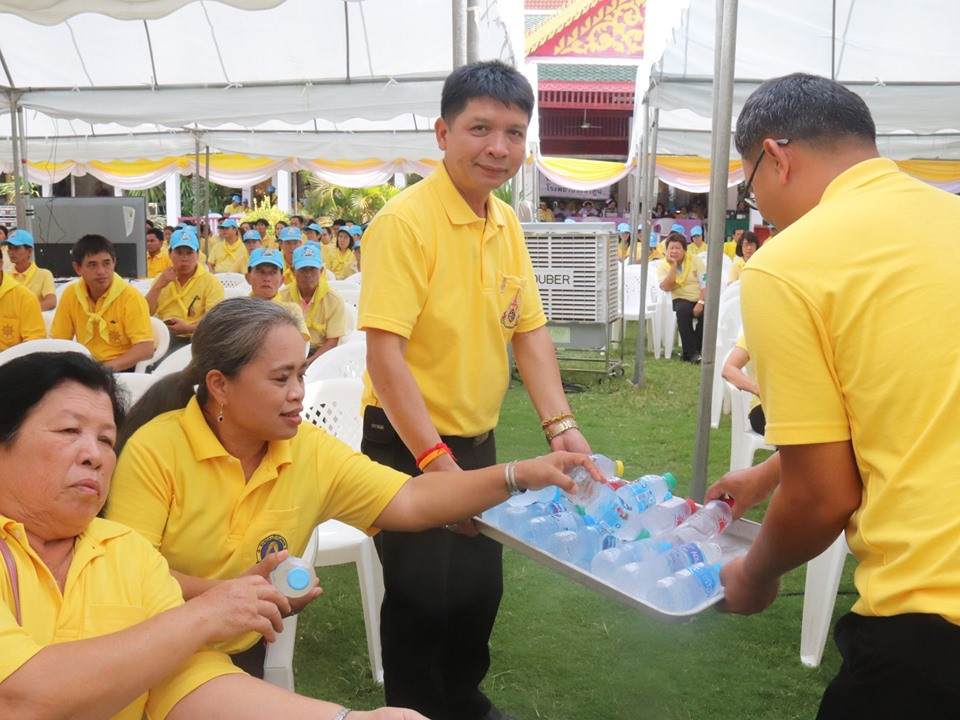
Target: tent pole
[206,188]
[196,192]
[17,158]
[719,177]
[473,30]
[638,185]
[459,8]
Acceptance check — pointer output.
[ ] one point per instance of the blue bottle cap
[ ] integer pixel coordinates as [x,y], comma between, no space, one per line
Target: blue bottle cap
[298,578]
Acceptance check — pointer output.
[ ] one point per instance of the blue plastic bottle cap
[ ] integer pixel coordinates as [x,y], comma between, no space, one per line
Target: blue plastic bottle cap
[298,578]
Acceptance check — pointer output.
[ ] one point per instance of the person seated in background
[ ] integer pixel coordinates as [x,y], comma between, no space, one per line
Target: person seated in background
[683,275]
[93,623]
[252,240]
[158,257]
[167,232]
[343,262]
[733,372]
[289,240]
[697,245]
[731,245]
[357,237]
[229,255]
[234,208]
[102,310]
[327,245]
[322,307]
[39,281]
[183,293]
[278,228]
[545,214]
[659,211]
[587,209]
[262,226]
[623,240]
[656,248]
[245,227]
[311,233]
[296,221]
[20,317]
[747,247]
[264,276]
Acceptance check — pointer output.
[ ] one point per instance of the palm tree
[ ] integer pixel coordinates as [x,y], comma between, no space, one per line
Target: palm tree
[357,204]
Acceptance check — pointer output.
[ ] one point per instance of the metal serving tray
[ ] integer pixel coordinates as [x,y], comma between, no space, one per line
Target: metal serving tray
[735,539]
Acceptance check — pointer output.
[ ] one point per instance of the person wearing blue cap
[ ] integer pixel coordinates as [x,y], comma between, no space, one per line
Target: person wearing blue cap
[289,239]
[184,292]
[623,244]
[252,240]
[234,208]
[264,276]
[39,281]
[229,255]
[312,232]
[343,261]
[322,308]
[20,318]
[697,245]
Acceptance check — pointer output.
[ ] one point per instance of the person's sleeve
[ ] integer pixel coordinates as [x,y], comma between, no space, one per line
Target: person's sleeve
[336,323]
[791,354]
[301,323]
[136,318]
[46,284]
[353,488]
[662,270]
[141,493]
[531,306]
[18,646]
[62,326]
[31,318]
[701,270]
[394,287]
[215,293]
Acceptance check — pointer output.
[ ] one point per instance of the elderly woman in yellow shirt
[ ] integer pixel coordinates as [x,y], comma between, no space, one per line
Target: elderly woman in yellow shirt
[343,261]
[683,275]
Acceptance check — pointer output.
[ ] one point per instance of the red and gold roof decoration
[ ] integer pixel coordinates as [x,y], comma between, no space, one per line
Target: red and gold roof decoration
[590,29]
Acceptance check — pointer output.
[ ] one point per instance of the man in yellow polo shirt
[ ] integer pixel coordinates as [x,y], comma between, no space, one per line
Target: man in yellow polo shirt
[158,256]
[322,307]
[264,275]
[101,310]
[448,284]
[290,239]
[859,374]
[183,293]
[20,318]
[229,255]
[37,280]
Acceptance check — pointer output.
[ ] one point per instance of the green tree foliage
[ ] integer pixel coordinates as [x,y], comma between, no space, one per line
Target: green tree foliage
[358,204]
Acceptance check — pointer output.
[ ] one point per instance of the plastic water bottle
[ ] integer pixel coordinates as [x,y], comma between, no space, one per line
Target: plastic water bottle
[666,516]
[293,577]
[687,588]
[512,519]
[637,578]
[705,523]
[536,531]
[609,560]
[647,491]
[543,495]
[578,547]
[586,490]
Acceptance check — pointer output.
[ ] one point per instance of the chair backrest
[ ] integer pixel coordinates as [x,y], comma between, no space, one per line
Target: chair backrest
[135,384]
[233,280]
[175,361]
[61,287]
[48,319]
[729,323]
[354,337]
[41,345]
[632,277]
[141,285]
[350,321]
[161,343]
[355,279]
[334,405]
[350,292]
[343,361]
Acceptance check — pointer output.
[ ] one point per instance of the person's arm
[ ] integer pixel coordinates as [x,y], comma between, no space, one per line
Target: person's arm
[669,282]
[140,351]
[180,327]
[97,677]
[747,487]
[733,371]
[819,490]
[153,294]
[48,302]
[328,344]
[537,360]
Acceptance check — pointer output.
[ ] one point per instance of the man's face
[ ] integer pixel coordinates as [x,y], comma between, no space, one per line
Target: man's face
[96,271]
[264,280]
[262,228]
[153,244]
[167,234]
[229,234]
[184,261]
[295,222]
[312,235]
[252,245]
[307,280]
[325,237]
[483,146]
[287,247]
[19,254]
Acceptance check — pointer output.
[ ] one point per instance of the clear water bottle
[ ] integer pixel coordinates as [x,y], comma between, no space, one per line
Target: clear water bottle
[578,547]
[586,490]
[609,560]
[293,577]
[536,530]
[548,494]
[636,579]
[610,513]
[512,519]
[647,491]
[687,588]
[705,523]
[666,516]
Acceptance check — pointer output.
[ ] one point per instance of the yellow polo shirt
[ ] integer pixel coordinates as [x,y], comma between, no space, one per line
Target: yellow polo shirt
[37,280]
[694,250]
[735,269]
[156,264]
[116,580]
[860,344]
[127,318]
[192,301]
[730,249]
[342,264]
[178,486]
[689,286]
[326,253]
[229,258]
[20,317]
[457,287]
[324,317]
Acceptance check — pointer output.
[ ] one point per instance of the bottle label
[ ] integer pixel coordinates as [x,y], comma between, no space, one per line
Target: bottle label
[608,542]
[708,581]
[694,552]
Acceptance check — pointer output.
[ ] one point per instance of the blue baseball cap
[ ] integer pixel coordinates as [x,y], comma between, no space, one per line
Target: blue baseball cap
[570,220]
[354,230]
[678,228]
[291,233]
[235,198]
[270,188]
[252,235]
[307,256]
[19,237]
[184,238]
[696,230]
[653,241]
[266,256]
[623,227]
[314,227]
[229,223]
[244,202]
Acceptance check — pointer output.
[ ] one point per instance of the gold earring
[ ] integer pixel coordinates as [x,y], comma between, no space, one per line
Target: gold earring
[220,416]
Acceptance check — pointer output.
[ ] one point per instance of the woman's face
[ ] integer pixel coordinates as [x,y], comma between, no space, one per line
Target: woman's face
[748,249]
[343,240]
[676,251]
[55,476]
[264,400]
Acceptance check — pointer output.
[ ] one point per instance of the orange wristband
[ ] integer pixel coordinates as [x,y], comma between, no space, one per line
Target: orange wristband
[432,453]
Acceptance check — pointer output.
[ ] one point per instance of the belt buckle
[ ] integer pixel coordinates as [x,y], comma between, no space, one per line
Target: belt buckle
[481,438]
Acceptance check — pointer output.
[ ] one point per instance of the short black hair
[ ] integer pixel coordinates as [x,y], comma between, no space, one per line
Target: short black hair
[298,217]
[674,236]
[28,379]
[91,245]
[748,237]
[262,221]
[150,223]
[171,228]
[802,107]
[158,234]
[489,79]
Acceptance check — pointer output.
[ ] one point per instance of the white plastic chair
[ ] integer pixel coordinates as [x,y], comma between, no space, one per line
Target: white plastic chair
[59,289]
[141,285]
[819,597]
[355,336]
[355,279]
[632,276]
[234,284]
[744,442]
[161,343]
[136,384]
[42,345]
[729,325]
[344,361]
[350,292]
[334,405]
[48,319]
[175,361]
[350,321]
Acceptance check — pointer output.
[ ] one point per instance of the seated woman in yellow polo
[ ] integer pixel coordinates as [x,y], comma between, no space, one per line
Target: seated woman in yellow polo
[322,307]
[228,474]
[697,246]
[745,249]
[252,239]
[229,255]
[343,262]
[683,275]
[91,622]
[20,317]
[184,292]
[101,309]
[39,281]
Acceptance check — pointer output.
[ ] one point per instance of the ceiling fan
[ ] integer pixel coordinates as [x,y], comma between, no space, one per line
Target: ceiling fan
[586,124]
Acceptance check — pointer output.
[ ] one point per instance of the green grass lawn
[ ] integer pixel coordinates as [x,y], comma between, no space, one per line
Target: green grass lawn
[562,652]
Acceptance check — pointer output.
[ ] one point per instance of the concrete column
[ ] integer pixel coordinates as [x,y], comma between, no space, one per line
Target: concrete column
[173,199]
[283,190]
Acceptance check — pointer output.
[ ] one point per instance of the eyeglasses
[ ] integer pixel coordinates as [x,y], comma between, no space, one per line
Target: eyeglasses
[745,196]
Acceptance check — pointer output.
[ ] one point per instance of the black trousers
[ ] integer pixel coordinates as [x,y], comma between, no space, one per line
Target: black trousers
[251,660]
[758,421]
[442,594]
[691,339]
[904,666]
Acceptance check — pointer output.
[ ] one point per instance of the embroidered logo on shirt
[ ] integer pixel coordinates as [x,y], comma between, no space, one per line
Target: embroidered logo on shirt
[511,316]
[271,544]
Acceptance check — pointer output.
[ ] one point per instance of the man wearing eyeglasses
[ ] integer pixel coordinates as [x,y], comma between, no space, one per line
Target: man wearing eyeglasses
[857,360]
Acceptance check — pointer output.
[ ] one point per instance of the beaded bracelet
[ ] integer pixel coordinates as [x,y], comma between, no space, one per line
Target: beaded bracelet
[562,416]
[510,479]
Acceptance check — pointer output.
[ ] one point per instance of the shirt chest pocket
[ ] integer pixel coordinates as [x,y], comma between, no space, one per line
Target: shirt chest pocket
[9,330]
[271,531]
[116,334]
[509,295]
[104,619]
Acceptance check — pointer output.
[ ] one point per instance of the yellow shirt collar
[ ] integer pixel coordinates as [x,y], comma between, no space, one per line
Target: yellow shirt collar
[458,212]
[859,175]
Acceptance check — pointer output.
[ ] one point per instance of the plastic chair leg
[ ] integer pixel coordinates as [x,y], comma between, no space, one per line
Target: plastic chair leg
[819,597]
[278,663]
[370,575]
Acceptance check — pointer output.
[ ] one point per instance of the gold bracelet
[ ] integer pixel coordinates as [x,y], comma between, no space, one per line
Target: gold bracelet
[547,423]
[561,427]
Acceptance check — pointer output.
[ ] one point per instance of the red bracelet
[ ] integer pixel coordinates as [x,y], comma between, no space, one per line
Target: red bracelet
[440,448]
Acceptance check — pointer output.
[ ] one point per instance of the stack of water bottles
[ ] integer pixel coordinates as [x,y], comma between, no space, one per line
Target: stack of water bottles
[635,535]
